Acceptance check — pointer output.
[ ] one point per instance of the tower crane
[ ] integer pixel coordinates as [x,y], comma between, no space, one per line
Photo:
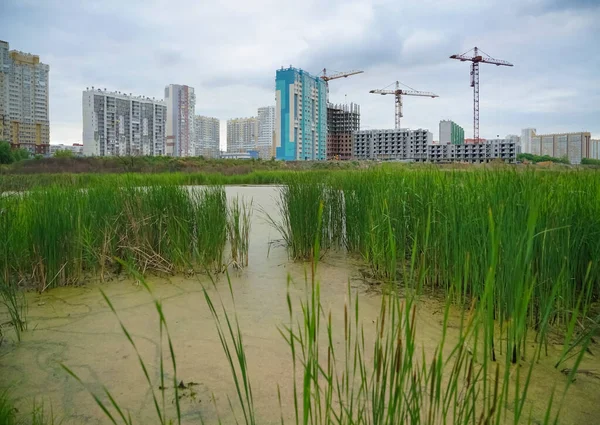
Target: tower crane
[399,93]
[475,60]
[335,76]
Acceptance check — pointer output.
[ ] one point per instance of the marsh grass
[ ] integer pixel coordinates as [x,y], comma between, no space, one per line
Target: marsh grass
[13,299]
[239,221]
[39,414]
[59,236]
[545,250]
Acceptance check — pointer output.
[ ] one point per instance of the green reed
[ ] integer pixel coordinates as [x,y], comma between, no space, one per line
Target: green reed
[239,220]
[548,235]
[59,236]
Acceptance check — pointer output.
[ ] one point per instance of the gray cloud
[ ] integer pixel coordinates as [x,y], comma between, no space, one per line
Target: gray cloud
[229,52]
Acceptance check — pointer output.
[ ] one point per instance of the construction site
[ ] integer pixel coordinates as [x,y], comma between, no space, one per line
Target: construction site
[342,122]
[345,140]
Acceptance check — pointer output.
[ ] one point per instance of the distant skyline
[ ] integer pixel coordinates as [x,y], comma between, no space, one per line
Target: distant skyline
[231,58]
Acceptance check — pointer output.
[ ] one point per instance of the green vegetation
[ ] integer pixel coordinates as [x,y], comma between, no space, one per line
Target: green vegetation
[13,299]
[5,153]
[59,236]
[16,182]
[517,251]
[590,161]
[164,164]
[8,156]
[238,229]
[539,231]
[63,154]
[9,414]
[542,158]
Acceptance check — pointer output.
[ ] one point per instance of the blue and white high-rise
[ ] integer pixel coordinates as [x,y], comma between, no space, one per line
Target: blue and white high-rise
[301,116]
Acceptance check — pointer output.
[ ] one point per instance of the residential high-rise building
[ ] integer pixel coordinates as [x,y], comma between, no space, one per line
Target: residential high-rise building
[342,122]
[526,135]
[116,123]
[266,129]
[573,146]
[452,133]
[207,132]
[301,116]
[242,135]
[181,104]
[24,109]
[595,148]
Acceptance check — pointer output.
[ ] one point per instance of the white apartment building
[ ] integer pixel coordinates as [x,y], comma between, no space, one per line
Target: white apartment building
[181,104]
[242,134]
[397,144]
[207,136]
[119,124]
[595,148]
[573,146]
[24,109]
[266,129]
[526,136]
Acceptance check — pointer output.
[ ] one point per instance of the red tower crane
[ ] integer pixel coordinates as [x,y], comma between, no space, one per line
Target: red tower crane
[398,93]
[475,60]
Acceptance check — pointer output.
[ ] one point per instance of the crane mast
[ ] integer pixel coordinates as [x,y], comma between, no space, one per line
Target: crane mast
[475,60]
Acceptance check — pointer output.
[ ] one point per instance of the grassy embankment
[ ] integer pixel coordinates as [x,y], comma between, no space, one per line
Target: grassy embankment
[84,172]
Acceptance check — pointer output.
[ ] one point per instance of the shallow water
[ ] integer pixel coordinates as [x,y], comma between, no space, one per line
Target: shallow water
[75,327]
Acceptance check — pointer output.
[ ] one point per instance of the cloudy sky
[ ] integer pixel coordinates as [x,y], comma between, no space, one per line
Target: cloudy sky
[229,51]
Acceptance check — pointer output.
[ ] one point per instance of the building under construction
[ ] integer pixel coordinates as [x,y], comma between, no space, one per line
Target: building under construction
[342,122]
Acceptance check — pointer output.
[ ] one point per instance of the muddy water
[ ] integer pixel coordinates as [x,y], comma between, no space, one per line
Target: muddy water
[73,326]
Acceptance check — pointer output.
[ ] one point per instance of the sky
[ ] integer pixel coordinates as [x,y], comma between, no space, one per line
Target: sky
[230,50]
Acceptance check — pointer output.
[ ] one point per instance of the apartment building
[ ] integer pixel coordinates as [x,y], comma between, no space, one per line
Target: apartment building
[266,129]
[181,104]
[418,146]
[242,134]
[120,124]
[24,100]
[207,133]
[301,116]
[450,132]
[396,144]
[342,122]
[595,148]
[573,146]
[526,137]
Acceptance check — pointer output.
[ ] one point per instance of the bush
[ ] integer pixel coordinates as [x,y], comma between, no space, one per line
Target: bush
[542,158]
[6,156]
[590,161]
[63,154]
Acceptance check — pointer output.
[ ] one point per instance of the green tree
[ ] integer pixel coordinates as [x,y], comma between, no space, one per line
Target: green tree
[6,156]
[63,154]
[20,154]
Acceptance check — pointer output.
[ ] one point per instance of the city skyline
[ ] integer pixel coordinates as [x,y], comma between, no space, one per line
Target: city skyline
[553,86]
